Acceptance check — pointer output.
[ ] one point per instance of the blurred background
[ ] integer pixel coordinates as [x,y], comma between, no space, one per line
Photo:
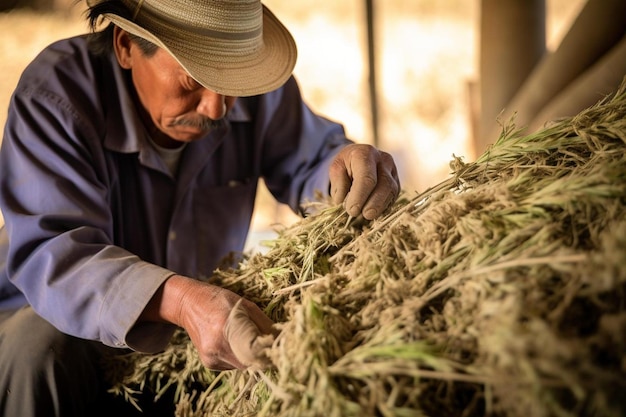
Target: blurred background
[426,68]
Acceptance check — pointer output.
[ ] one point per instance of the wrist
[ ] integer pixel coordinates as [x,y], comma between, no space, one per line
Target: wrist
[166,305]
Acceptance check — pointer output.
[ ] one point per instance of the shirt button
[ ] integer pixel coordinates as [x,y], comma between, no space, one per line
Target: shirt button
[172,236]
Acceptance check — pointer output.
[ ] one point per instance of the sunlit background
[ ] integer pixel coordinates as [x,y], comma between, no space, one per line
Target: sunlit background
[426,57]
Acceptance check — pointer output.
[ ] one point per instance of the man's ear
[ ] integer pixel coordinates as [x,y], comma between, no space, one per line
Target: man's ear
[121,46]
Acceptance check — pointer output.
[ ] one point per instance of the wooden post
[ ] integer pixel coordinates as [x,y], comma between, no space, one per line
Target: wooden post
[512,42]
[371,60]
[586,65]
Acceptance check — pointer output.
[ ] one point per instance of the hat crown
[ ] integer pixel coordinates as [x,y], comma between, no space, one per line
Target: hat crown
[225,19]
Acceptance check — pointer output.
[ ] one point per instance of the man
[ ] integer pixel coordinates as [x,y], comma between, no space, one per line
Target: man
[128,170]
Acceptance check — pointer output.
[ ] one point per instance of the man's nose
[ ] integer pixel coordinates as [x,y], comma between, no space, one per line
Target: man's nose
[212,105]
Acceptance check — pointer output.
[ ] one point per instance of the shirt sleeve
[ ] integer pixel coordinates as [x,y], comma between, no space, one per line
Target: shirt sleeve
[299,147]
[54,198]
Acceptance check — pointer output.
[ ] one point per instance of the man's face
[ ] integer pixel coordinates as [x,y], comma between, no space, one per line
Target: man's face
[177,105]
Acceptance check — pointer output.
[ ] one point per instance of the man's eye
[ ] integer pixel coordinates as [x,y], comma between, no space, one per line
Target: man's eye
[192,84]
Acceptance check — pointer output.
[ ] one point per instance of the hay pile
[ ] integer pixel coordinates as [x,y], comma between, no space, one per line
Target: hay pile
[501,292]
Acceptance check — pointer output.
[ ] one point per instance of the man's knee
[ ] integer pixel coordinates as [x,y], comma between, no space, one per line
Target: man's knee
[28,341]
[40,364]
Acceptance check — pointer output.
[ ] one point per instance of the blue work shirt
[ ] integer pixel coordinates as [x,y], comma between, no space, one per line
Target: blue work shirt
[94,220]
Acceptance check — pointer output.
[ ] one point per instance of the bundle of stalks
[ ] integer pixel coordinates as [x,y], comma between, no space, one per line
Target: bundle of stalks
[501,291]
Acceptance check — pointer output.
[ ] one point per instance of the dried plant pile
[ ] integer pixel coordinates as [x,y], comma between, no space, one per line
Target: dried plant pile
[501,291]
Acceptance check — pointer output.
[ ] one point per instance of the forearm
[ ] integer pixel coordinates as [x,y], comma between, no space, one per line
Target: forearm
[299,146]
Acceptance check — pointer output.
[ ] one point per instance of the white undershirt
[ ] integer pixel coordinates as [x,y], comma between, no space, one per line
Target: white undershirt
[171,156]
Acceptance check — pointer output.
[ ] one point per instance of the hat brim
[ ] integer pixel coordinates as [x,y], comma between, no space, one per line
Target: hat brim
[257,73]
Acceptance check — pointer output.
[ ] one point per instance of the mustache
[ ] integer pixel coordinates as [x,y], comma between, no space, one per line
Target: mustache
[199,122]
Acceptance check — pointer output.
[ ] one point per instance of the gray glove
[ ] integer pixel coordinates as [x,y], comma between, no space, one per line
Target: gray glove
[246,340]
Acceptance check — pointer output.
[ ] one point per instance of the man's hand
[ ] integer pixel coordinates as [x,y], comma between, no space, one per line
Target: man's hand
[227,330]
[364,179]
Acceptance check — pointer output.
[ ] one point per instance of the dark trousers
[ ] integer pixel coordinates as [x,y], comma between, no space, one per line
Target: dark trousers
[44,372]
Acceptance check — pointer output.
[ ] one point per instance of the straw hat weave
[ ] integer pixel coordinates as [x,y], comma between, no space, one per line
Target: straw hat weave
[233,47]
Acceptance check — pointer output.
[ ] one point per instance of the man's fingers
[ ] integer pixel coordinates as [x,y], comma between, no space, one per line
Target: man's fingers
[365,180]
[340,180]
[246,341]
[353,177]
[386,190]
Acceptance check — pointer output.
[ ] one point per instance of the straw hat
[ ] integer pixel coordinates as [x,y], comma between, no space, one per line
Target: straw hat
[232,47]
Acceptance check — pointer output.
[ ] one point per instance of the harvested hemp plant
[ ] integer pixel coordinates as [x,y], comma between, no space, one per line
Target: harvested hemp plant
[498,292]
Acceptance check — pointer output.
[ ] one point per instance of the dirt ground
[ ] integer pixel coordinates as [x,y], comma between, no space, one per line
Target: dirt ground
[427,54]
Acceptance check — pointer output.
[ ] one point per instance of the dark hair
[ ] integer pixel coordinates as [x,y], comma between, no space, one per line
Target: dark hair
[101,42]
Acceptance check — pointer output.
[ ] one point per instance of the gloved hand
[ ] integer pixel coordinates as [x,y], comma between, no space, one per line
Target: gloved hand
[246,340]
[227,330]
[364,179]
